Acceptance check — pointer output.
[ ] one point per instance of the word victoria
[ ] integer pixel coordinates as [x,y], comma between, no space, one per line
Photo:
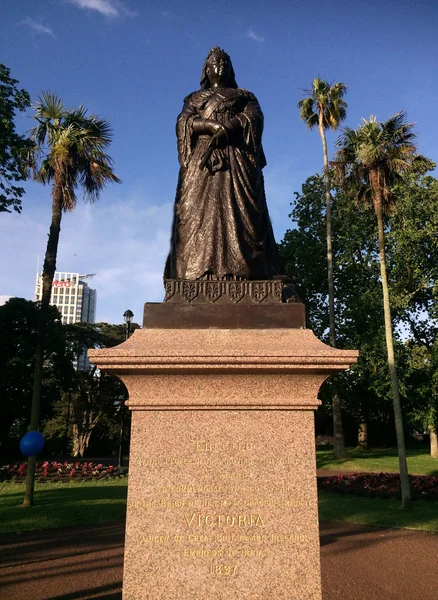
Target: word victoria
[217,520]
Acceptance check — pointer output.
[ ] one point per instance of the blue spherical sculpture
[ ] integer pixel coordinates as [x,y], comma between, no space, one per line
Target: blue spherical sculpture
[31,443]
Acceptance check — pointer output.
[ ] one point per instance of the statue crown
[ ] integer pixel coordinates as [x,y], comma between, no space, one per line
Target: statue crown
[216,51]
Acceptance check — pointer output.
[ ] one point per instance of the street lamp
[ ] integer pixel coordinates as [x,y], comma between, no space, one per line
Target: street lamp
[128,315]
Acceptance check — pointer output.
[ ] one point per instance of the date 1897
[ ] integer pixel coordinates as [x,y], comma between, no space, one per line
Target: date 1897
[221,569]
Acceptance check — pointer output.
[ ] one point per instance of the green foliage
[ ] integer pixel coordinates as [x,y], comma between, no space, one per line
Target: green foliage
[19,324]
[325,100]
[98,335]
[91,404]
[412,258]
[375,157]
[71,147]
[13,166]
[81,400]
[304,252]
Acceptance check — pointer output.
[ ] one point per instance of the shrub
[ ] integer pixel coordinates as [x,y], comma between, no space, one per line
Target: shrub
[62,471]
[380,485]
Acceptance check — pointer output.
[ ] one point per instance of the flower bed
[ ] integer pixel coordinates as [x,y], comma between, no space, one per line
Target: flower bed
[61,471]
[380,485]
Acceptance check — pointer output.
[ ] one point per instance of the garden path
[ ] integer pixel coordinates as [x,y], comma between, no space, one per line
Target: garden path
[85,563]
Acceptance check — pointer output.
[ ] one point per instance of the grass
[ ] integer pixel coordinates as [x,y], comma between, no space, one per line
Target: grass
[62,505]
[423,515]
[377,460]
[98,502]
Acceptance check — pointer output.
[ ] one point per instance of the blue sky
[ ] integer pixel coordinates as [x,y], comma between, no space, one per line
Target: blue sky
[134,61]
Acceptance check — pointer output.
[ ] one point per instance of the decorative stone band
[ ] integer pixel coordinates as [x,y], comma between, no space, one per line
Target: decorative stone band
[228,292]
[217,369]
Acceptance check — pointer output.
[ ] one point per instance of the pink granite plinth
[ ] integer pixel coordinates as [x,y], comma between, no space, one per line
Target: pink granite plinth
[222,500]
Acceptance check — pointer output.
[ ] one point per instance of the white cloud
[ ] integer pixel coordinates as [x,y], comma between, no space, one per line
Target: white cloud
[167,14]
[124,239]
[108,8]
[4,299]
[252,35]
[36,27]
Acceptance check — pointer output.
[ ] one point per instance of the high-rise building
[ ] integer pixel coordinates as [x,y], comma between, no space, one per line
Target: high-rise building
[75,300]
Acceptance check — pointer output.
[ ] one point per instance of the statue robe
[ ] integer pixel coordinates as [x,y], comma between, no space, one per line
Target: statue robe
[221,227]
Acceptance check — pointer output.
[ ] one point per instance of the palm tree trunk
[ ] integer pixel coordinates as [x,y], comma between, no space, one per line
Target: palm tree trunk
[331,287]
[362,435]
[433,441]
[338,430]
[404,477]
[48,274]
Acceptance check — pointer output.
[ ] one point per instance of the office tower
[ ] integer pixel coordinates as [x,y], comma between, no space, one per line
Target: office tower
[75,300]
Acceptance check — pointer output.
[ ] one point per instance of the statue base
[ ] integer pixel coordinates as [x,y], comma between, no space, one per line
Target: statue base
[222,498]
[159,315]
[224,291]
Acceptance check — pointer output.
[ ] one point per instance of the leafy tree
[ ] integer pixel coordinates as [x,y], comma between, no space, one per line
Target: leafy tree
[19,326]
[359,323]
[325,108]
[412,264]
[96,395]
[12,161]
[93,401]
[98,335]
[369,162]
[69,152]
[412,243]
[421,381]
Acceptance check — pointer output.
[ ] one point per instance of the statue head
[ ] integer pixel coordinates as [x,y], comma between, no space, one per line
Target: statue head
[216,55]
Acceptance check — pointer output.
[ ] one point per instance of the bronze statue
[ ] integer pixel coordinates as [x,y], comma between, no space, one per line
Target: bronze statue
[221,228]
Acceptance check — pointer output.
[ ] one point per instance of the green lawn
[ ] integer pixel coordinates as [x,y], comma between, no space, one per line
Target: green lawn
[385,513]
[93,502]
[377,460]
[62,505]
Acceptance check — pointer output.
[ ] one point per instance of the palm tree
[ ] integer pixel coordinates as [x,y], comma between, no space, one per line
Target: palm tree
[68,152]
[325,108]
[369,162]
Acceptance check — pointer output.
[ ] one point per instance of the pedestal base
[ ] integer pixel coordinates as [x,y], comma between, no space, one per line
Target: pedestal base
[222,505]
[222,500]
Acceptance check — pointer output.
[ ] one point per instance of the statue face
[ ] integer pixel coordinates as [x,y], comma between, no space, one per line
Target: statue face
[218,70]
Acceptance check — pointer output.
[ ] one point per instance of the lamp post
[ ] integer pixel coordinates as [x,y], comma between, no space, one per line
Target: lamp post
[128,315]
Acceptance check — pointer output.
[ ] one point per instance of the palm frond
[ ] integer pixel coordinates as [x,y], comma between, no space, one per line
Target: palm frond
[324,99]
[75,149]
[386,150]
[45,173]
[307,112]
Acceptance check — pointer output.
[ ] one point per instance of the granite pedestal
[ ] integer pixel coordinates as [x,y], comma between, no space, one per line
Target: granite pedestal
[222,499]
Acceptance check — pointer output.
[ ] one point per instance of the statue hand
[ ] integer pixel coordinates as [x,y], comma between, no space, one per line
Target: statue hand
[216,128]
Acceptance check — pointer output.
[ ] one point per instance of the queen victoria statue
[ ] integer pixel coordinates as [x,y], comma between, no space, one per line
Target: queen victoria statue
[221,228]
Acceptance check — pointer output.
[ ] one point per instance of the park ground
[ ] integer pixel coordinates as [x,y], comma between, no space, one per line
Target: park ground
[104,501]
[70,545]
